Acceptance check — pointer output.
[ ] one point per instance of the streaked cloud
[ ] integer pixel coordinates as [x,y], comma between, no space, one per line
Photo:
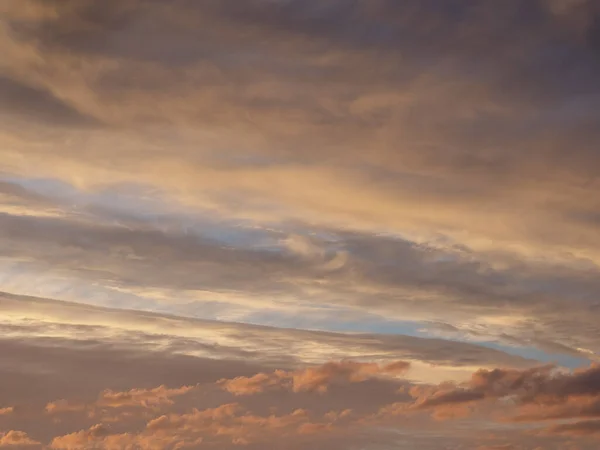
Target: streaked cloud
[114,378]
[312,204]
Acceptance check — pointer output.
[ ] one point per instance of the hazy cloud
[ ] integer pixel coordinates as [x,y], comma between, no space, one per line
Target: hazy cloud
[317,189]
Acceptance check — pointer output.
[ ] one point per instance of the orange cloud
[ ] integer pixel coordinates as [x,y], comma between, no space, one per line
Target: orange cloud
[570,407]
[63,405]
[97,435]
[231,424]
[141,397]
[583,428]
[254,384]
[319,378]
[226,424]
[146,398]
[14,438]
[313,379]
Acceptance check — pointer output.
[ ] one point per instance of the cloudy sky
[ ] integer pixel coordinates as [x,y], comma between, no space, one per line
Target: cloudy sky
[300,224]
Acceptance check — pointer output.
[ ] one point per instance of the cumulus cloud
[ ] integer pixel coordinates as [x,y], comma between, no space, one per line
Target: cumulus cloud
[225,425]
[313,379]
[537,395]
[146,398]
[16,439]
[142,397]
[228,424]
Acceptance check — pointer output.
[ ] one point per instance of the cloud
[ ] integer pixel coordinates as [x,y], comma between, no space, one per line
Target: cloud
[114,377]
[32,102]
[356,271]
[523,386]
[584,428]
[17,439]
[222,424]
[268,345]
[531,395]
[61,406]
[252,422]
[313,379]
[419,175]
[96,435]
[221,427]
[145,398]
[409,93]
[142,397]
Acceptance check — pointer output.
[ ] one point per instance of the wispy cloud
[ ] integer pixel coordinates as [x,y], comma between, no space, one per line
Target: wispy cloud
[418,175]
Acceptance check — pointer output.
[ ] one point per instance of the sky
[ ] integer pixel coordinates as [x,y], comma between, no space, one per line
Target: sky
[300,224]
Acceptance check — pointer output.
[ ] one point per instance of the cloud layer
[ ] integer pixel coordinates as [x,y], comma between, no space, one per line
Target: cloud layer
[88,376]
[299,198]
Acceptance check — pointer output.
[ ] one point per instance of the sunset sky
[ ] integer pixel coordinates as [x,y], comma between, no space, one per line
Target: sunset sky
[300,224]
